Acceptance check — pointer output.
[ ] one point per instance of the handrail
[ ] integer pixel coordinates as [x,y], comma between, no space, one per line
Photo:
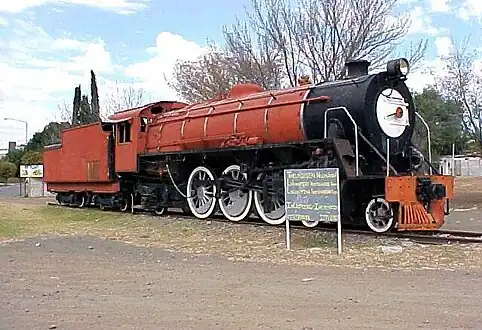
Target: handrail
[388,157]
[429,140]
[377,152]
[354,125]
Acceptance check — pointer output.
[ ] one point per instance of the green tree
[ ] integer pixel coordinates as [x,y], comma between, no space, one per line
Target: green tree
[85,113]
[443,118]
[76,107]
[82,112]
[7,170]
[14,157]
[32,158]
[94,94]
[49,135]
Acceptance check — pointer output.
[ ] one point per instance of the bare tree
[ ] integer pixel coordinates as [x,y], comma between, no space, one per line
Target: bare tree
[215,71]
[250,57]
[123,98]
[276,23]
[64,114]
[204,78]
[282,41]
[462,83]
[320,36]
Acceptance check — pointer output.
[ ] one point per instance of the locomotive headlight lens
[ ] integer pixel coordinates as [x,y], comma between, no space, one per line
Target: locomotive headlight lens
[404,66]
[399,67]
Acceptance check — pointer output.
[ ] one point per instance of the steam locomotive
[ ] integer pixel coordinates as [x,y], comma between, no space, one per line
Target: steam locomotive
[228,154]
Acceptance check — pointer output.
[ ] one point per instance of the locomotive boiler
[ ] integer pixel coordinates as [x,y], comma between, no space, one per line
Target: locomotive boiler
[229,153]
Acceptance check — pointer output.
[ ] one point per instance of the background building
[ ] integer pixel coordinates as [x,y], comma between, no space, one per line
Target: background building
[464,165]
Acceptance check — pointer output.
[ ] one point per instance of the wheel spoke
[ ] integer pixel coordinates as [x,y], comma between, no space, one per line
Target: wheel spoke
[277,215]
[379,215]
[235,205]
[201,199]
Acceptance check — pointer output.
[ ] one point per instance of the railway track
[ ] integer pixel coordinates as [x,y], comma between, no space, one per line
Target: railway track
[426,237]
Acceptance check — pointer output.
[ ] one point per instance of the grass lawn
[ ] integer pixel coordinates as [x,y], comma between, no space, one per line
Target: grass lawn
[234,241]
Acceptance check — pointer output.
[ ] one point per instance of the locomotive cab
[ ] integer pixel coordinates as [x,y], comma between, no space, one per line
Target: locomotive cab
[130,132]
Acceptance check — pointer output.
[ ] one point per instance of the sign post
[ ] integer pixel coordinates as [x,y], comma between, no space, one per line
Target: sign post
[29,172]
[32,171]
[312,195]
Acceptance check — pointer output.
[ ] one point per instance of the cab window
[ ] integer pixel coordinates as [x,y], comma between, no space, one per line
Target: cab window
[143,125]
[124,132]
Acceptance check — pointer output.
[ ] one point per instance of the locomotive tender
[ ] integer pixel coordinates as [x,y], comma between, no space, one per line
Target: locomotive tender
[229,153]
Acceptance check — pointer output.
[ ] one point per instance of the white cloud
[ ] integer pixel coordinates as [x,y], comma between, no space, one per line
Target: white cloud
[425,76]
[443,45]
[439,5]
[117,6]
[151,73]
[470,8]
[37,71]
[421,23]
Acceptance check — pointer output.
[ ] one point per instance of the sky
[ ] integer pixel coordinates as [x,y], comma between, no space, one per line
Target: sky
[47,47]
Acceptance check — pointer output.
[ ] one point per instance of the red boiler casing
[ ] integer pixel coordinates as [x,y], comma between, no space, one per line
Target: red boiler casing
[248,116]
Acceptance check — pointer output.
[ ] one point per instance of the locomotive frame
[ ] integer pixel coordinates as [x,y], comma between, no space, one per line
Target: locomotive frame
[247,172]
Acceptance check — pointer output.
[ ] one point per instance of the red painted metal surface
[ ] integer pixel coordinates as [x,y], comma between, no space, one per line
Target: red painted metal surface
[246,116]
[96,187]
[82,156]
[138,118]
[412,214]
[145,110]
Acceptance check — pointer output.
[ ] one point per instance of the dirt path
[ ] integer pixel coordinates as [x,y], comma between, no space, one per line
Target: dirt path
[89,283]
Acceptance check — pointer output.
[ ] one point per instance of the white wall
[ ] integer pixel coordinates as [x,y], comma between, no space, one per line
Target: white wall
[463,166]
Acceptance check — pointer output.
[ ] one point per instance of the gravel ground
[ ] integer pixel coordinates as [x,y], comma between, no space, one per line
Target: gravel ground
[90,283]
[175,274]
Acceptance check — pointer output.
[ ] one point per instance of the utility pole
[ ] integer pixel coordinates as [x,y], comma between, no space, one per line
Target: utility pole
[26,127]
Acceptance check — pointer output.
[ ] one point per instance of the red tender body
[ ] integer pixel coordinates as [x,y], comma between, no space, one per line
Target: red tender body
[80,162]
[89,156]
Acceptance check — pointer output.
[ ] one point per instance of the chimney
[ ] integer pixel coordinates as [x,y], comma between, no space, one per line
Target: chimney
[356,68]
[12,145]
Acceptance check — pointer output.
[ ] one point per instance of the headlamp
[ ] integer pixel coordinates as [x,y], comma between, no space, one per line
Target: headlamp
[398,67]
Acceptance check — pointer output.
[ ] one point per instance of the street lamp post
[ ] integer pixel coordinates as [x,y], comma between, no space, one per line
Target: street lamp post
[26,128]
[26,141]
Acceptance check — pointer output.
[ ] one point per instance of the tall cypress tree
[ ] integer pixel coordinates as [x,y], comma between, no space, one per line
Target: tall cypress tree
[95,108]
[76,107]
[85,115]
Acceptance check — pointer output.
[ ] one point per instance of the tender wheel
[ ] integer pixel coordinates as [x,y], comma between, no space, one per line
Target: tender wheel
[236,204]
[379,216]
[61,200]
[310,224]
[201,197]
[81,200]
[124,204]
[278,215]
[160,211]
